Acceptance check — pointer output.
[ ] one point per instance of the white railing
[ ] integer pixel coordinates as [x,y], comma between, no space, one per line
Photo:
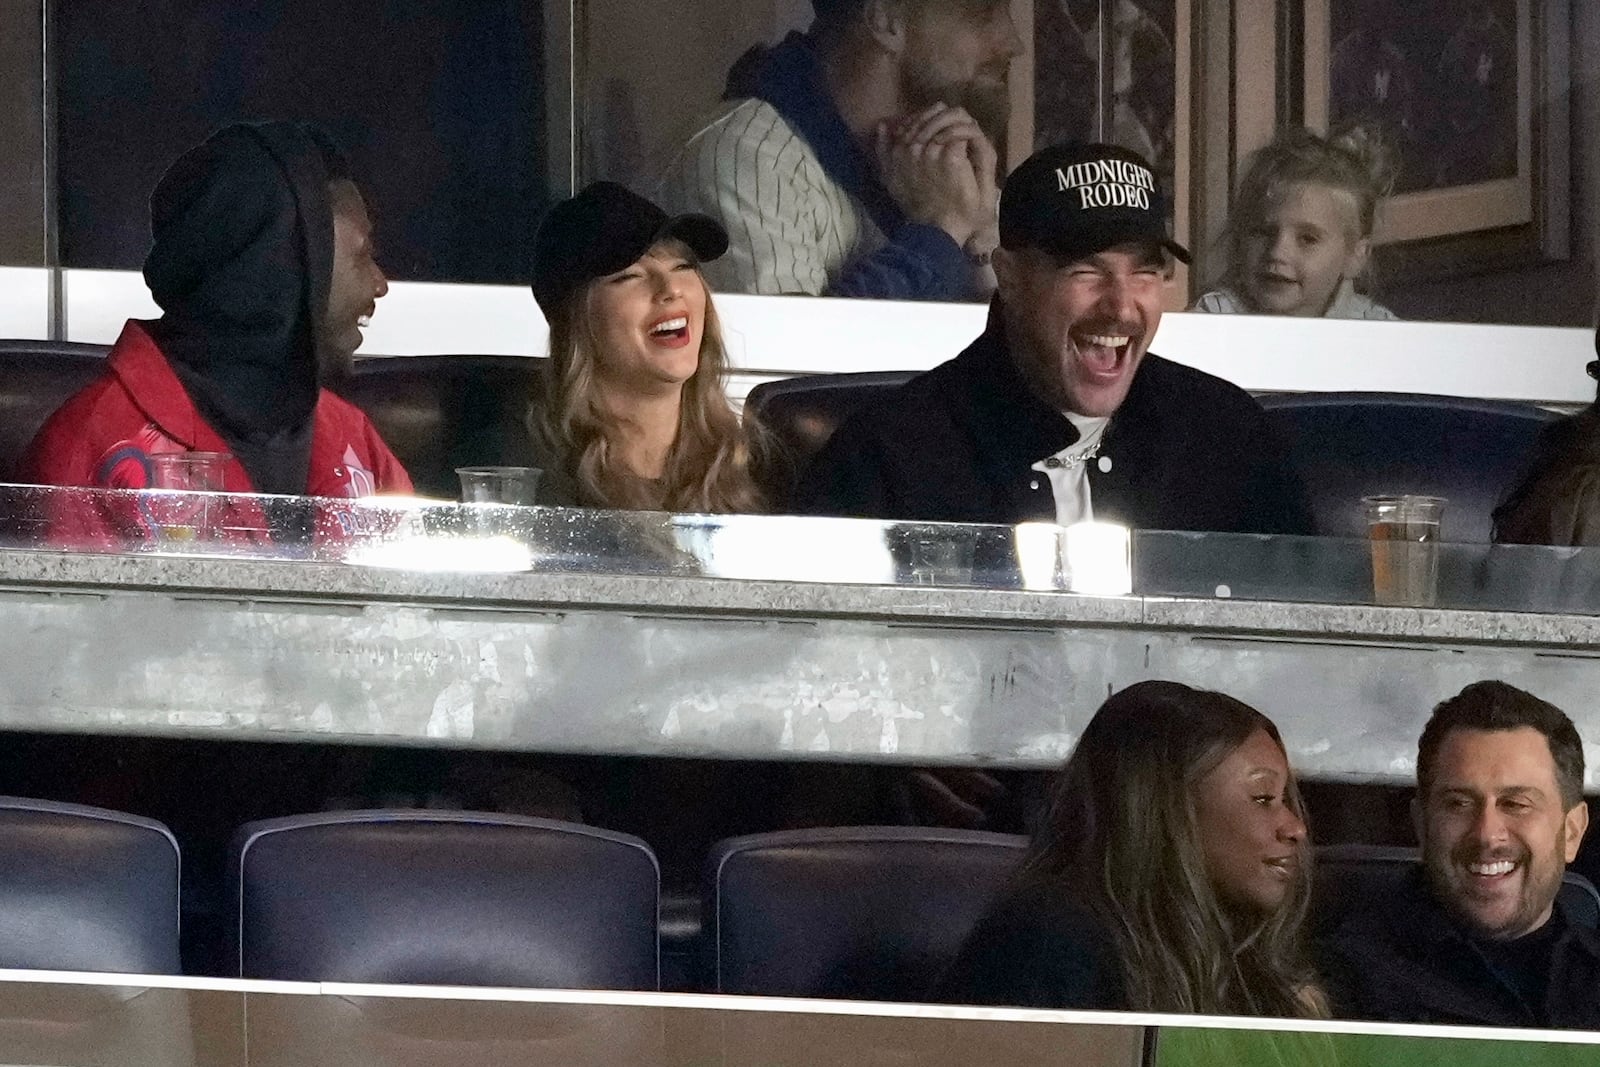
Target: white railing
[773,337]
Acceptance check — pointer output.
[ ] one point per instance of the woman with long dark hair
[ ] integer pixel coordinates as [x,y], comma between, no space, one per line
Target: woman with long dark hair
[1172,873]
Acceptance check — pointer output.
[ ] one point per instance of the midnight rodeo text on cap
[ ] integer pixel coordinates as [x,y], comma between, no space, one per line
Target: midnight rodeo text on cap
[1107,183]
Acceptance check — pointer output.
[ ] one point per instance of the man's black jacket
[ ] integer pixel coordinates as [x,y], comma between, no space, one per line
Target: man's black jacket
[1404,959]
[1185,451]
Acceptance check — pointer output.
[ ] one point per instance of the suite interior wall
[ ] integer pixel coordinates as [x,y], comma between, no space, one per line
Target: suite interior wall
[22,174]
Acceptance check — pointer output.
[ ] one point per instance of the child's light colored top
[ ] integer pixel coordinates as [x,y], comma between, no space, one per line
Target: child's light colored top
[1347,304]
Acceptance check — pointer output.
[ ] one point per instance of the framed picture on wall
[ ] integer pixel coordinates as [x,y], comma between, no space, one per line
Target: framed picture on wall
[1129,87]
[1471,96]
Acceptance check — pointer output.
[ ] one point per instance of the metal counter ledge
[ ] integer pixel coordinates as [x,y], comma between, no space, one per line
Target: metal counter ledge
[715,667]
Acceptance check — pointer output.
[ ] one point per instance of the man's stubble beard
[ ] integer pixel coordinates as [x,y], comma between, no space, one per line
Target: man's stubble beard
[988,104]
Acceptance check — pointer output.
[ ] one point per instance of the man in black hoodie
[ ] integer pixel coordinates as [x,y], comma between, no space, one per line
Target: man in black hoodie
[858,159]
[262,267]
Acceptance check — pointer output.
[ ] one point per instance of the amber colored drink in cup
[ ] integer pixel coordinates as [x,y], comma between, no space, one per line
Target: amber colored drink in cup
[1404,535]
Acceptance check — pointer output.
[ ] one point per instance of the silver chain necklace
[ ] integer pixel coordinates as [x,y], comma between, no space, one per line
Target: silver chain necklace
[1057,462]
[1073,460]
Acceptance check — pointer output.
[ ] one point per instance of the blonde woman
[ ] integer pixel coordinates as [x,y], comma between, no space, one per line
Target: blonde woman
[634,414]
[1172,873]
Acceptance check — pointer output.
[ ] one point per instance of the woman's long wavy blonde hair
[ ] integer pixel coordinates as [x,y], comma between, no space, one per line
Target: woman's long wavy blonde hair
[1122,838]
[709,466]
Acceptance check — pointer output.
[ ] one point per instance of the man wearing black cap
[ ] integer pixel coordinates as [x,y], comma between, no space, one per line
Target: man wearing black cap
[1058,412]
[262,266]
[857,159]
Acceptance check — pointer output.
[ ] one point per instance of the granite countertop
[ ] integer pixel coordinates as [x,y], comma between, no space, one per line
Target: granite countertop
[674,595]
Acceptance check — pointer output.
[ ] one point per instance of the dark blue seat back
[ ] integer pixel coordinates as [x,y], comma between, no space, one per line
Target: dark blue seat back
[872,913]
[1350,877]
[446,898]
[84,889]
[803,412]
[36,377]
[1350,445]
[432,411]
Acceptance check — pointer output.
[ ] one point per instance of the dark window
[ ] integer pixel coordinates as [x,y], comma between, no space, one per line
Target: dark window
[439,102]
[22,184]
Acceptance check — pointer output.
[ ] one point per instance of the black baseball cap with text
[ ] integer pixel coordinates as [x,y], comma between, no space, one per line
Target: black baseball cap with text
[604,229]
[1073,200]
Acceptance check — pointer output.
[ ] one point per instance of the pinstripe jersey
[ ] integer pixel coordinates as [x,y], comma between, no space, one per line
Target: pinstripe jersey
[791,227]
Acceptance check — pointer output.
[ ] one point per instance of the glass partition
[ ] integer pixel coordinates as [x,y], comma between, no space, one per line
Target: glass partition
[1481,113]
[422,535]
[1327,570]
[79,1019]
[127,1020]
[466,120]
[1097,559]
[441,107]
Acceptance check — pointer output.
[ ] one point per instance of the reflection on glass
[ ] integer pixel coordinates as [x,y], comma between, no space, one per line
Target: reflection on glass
[1099,559]
[1093,559]
[82,1022]
[1039,555]
[933,553]
[279,1024]
[422,552]
[810,550]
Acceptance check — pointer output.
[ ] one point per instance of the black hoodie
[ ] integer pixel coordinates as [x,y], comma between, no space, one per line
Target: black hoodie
[241,266]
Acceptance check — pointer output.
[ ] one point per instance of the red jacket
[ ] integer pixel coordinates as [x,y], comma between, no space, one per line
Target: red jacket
[104,435]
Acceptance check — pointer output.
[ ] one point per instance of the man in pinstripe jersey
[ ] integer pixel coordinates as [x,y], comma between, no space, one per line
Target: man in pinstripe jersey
[858,159]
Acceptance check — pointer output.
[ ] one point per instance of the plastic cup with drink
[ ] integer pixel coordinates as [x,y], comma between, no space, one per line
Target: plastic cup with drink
[1403,532]
[184,511]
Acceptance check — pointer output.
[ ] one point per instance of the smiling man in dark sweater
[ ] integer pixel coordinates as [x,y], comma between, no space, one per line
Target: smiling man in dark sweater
[1481,935]
[1059,412]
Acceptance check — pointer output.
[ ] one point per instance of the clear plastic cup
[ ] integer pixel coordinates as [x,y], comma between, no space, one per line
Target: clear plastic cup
[180,517]
[499,485]
[935,554]
[189,472]
[1404,534]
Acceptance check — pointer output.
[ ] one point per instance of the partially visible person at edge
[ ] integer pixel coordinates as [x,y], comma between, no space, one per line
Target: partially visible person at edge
[858,159]
[634,414]
[1558,503]
[262,265]
[1059,411]
[1300,237]
[1171,874]
[1481,934]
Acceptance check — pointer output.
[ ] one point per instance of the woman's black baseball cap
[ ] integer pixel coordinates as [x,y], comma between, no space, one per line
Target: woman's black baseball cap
[602,230]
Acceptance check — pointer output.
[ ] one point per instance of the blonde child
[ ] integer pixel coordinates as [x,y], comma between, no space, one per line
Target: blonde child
[1301,233]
